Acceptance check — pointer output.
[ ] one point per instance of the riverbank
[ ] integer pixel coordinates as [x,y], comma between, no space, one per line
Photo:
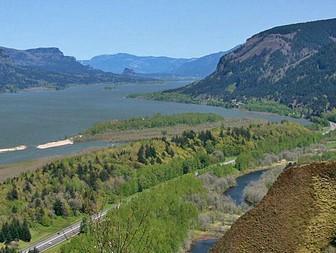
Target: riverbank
[204,239]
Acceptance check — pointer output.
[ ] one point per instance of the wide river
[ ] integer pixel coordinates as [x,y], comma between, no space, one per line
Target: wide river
[31,118]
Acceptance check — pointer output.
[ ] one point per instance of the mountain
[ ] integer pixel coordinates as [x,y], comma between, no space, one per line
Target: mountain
[140,64]
[150,65]
[47,67]
[293,64]
[201,67]
[297,215]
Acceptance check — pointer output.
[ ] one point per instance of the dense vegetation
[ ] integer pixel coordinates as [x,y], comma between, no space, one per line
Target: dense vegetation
[292,65]
[155,121]
[157,220]
[262,105]
[82,184]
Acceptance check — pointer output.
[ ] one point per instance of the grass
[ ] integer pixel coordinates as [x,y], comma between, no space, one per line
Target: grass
[57,248]
[40,232]
[11,170]
[331,145]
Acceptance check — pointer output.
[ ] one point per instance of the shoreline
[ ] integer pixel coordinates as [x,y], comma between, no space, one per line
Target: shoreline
[54,144]
[18,148]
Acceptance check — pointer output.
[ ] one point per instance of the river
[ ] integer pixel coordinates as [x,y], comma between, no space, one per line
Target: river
[31,118]
[236,193]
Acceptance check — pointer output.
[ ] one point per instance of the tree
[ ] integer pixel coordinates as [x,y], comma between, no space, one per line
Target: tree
[141,155]
[59,208]
[13,194]
[25,233]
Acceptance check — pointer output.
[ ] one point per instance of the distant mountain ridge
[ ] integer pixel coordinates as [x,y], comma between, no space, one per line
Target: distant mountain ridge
[293,64]
[182,67]
[48,67]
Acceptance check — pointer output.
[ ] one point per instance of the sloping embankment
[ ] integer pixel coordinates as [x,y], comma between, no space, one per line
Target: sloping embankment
[297,215]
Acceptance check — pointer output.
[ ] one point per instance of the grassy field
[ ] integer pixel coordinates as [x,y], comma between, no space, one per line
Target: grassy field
[331,145]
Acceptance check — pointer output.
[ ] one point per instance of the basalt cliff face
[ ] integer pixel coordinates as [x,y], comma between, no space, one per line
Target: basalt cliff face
[297,215]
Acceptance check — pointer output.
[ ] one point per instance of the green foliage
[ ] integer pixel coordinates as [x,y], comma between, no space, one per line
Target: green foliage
[327,156]
[155,121]
[7,249]
[82,184]
[330,116]
[157,220]
[319,120]
[298,71]
[263,105]
[169,96]
[15,230]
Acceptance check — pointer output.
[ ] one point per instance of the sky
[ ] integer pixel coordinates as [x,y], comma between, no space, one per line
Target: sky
[175,28]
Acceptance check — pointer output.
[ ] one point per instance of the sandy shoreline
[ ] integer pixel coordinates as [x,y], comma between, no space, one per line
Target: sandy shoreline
[55,144]
[22,147]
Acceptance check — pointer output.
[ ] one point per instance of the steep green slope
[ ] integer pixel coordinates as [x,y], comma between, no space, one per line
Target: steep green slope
[297,215]
[293,65]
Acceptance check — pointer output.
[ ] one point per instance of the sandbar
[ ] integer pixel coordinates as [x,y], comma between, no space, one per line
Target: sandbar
[55,144]
[22,147]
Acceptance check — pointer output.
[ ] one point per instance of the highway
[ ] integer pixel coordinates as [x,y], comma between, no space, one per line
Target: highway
[74,229]
[61,236]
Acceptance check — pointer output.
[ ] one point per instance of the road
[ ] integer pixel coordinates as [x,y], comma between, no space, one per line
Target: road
[74,229]
[332,127]
[233,161]
[61,236]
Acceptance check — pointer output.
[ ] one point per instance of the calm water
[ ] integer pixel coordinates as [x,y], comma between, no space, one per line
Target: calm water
[236,193]
[32,118]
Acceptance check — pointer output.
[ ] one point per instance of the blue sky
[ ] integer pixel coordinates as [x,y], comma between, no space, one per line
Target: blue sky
[177,28]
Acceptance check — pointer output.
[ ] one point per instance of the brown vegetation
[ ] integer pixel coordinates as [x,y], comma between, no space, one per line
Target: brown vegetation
[297,215]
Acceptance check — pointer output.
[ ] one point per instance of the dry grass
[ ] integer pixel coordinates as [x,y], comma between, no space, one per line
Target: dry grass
[297,215]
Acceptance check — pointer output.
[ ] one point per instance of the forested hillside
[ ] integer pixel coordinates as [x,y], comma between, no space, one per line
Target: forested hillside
[83,184]
[293,65]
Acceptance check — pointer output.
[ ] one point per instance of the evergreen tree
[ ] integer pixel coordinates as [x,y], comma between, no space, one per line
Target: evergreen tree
[25,233]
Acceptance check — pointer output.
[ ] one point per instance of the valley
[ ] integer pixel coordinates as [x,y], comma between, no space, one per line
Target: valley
[191,141]
[28,118]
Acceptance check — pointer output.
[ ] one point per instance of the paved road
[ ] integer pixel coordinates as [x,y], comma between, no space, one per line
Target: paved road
[73,230]
[233,161]
[61,236]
